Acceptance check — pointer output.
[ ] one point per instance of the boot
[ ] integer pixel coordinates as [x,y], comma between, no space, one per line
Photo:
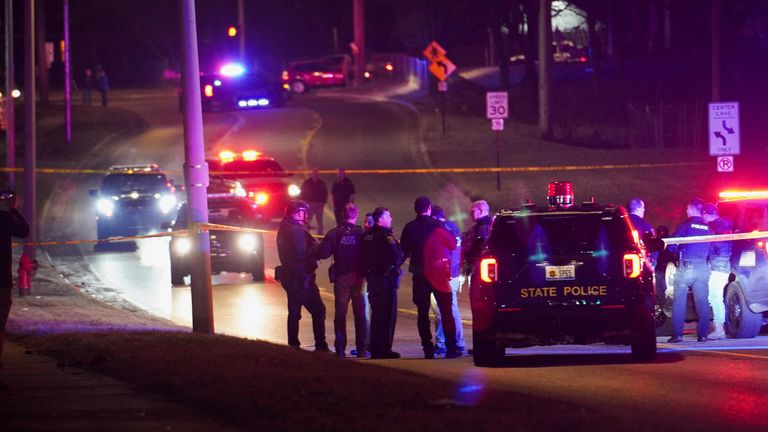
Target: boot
[717,333]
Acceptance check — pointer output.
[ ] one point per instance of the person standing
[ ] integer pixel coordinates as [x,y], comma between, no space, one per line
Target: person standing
[474,239]
[343,192]
[719,266]
[382,258]
[12,224]
[692,272]
[428,245]
[456,281]
[344,243]
[295,247]
[87,86]
[636,209]
[102,84]
[314,192]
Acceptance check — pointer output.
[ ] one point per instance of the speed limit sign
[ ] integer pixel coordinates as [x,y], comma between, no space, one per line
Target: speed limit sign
[496,105]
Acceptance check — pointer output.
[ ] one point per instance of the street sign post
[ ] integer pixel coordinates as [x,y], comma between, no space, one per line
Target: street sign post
[497,109]
[725,164]
[441,68]
[724,131]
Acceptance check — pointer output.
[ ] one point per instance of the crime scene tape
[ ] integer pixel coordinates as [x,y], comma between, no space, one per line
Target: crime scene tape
[716,237]
[476,170]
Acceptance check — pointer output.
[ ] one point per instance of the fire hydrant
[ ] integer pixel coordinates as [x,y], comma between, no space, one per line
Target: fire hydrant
[27,266]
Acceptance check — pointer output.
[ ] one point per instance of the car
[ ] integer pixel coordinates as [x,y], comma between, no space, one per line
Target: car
[746,294]
[331,71]
[231,251]
[134,200]
[233,87]
[562,273]
[264,179]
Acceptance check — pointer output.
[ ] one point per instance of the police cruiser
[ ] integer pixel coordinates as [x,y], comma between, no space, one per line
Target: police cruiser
[562,274]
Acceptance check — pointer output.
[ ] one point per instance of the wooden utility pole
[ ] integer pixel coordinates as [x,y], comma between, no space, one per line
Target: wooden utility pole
[10,116]
[30,124]
[545,61]
[715,15]
[358,16]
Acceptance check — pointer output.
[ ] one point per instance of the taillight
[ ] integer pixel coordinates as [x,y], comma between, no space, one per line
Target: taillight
[631,265]
[284,76]
[261,198]
[488,270]
[763,245]
[208,90]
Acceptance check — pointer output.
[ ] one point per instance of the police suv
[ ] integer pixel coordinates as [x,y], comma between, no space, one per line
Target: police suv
[562,274]
[231,251]
[134,199]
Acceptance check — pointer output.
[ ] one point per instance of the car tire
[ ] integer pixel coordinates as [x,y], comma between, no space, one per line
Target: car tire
[298,87]
[486,351]
[258,268]
[644,344]
[741,321]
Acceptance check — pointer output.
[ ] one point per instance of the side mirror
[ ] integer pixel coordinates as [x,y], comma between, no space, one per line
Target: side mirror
[93,192]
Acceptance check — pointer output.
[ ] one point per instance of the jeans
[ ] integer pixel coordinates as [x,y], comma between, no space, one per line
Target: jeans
[303,291]
[439,333]
[422,291]
[717,282]
[693,274]
[349,287]
[316,211]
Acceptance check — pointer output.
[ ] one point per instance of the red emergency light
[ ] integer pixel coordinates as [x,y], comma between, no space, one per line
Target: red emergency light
[740,194]
[560,193]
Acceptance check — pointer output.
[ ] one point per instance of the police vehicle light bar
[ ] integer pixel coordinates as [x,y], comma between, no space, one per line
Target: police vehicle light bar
[232,70]
[560,193]
[135,168]
[737,194]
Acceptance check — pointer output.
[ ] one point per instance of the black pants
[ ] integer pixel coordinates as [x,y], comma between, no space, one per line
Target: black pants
[422,291]
[6,299]
[349,288]
[303,291]
[382,295]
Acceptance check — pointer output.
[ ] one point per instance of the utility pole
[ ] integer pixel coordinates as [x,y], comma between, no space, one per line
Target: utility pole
[715,15]
[195,172]
[358,16]
[42,57]
[241,28]
[10,116]
[545,61]
[30,139]
[67,77]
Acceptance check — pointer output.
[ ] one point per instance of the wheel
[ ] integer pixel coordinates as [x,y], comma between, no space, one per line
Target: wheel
[742,322]
[258,268]
[487,352]
[644,343]
[298,87]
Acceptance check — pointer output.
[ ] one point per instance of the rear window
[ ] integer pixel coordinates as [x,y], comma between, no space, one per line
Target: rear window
[542,236]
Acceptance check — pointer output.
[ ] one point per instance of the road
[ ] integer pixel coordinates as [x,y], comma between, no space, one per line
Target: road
[710,386]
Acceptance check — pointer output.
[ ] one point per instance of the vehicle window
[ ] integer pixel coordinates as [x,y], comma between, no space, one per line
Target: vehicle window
[119,183]
[307,67]
[543,235]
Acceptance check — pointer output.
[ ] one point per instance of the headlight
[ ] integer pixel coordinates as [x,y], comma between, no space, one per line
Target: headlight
[106,206]
[261,198]
[294,190]
[182,246]
[246,242]
[167,203]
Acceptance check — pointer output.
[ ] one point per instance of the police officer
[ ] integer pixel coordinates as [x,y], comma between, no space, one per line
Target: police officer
[692,272]
[720,266]
[382,257]
[12,224]
[344,243]
[295,246]
[636,209]
[456,281]
[474,239]
[428,244]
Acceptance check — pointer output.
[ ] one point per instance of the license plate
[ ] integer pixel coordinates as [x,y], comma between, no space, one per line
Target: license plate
[567,272]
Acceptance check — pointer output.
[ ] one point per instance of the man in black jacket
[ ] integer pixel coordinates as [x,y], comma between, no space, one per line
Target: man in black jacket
[428,245]
[344,242]
[382,258]
[12,224]
[474,239]
[315,193]
[295,246]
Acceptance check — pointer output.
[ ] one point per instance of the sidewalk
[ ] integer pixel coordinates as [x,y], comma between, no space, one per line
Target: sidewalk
[37,394]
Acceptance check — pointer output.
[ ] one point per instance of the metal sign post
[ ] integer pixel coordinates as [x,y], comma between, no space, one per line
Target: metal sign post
[441,68]
[497,109]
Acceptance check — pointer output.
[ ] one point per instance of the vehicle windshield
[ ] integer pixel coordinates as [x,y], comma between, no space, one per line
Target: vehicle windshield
[235,212]
[241,168]
[125,183]
[560,234]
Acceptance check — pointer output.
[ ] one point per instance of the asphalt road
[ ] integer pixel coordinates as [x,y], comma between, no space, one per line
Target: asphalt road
[709,386]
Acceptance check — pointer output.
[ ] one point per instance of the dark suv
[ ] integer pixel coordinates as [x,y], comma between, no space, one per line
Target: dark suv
[132,200]
[231,251]
[230,90]
[562,274]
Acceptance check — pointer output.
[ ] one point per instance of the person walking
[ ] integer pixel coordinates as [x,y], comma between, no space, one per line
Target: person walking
[102,84]
[692,272]
[719,266]
[343,192]
[87,86]
[456,281]
[428,245]
[314,192]
[344,243]
[382,258]
[12,224]
[295,247]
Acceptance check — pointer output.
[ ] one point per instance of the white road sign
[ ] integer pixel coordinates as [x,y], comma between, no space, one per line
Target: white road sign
[725,164]
[497,124]
[724,132]
[496,105]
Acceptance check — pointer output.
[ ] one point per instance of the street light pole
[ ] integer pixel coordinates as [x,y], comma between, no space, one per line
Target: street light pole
[195,172]
[30,125]
[358,15]
[10,127]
